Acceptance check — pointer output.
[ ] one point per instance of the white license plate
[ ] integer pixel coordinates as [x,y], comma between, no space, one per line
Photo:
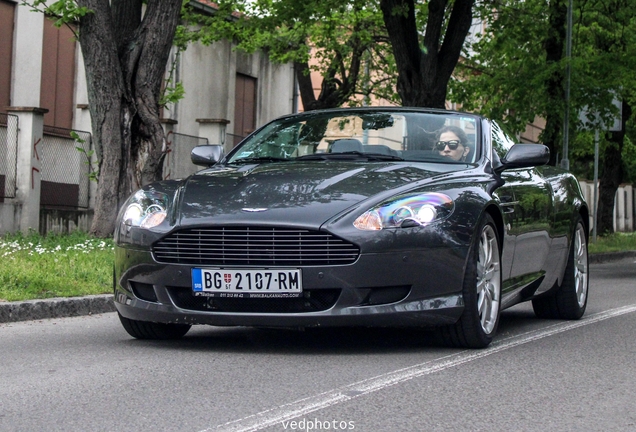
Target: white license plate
[276,283]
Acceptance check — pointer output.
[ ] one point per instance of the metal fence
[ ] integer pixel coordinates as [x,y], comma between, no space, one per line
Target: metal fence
[65,168]
[177,162]
[624,205]
[8,155]
[234,139]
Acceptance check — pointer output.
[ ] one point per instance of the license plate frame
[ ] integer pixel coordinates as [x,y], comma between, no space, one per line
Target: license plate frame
[246,283]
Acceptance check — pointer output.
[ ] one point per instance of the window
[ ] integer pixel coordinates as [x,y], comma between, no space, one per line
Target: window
[7,11]
[501,141]
[58,75]
[244,107]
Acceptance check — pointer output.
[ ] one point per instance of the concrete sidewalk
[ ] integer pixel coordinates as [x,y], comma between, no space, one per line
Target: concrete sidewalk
[78,306]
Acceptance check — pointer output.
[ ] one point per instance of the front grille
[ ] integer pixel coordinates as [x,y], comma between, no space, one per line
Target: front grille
[310,301]
[254,246]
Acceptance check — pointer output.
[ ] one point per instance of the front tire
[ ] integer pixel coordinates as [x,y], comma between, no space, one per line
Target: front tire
[569,301]
[151,330]
[482,292]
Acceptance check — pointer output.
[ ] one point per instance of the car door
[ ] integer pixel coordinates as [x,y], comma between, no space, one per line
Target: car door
[528,216]
[533,205]
[505,195]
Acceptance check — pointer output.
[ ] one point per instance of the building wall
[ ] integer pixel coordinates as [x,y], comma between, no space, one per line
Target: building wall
[26,71]
[208,74]
[209,78]
[58,74]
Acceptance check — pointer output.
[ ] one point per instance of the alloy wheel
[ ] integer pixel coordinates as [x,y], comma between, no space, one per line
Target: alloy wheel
[488,279]
[580,265]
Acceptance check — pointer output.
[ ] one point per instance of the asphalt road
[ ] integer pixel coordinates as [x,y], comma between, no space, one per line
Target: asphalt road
[86,374]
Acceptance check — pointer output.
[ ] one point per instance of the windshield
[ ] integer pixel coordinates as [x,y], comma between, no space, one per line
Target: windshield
[365,135]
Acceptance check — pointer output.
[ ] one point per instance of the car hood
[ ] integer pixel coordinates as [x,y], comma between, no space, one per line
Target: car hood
[291,193]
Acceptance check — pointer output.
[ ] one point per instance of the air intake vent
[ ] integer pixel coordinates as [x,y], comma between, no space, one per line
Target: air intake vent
[311,301]
[267,246]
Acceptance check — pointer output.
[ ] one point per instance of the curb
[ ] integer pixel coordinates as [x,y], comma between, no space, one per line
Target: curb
[610,256]
[97,304]
[55,308]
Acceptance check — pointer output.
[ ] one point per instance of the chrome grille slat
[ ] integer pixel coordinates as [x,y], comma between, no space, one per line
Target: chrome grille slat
[253,246]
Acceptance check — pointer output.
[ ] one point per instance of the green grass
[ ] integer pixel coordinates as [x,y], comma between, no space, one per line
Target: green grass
[613,243]
[36,267]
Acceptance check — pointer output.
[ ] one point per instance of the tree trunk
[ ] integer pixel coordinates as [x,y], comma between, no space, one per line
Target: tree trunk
[338,83]
[306,87]
[125,62]
[423,75]
[611,175]
[554,48]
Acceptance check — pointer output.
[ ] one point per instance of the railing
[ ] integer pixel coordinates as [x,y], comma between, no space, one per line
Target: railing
[234,139]
[624,205]
[8,155]
[65,168]
[177,162]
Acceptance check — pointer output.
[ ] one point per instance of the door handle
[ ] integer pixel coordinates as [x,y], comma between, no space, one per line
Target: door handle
[508,207]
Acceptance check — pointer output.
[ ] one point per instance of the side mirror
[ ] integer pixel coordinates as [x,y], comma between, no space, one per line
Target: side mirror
[206,155]
[525,156]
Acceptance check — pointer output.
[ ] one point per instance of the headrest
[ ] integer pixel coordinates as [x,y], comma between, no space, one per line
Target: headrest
[346,145]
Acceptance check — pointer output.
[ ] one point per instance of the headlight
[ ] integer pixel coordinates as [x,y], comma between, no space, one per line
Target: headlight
[145,209]
[406,211]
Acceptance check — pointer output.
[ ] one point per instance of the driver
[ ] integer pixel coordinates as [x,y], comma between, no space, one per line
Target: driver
[452,143]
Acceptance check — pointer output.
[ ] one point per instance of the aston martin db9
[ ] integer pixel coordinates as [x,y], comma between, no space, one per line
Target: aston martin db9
[356,217]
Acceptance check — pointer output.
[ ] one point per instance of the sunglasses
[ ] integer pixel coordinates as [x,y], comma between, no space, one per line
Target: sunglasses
[440,145]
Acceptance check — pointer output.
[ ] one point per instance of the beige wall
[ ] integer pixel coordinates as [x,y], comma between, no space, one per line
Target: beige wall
[208,74]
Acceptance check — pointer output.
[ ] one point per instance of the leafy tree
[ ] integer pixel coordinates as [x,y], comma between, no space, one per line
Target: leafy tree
[607,48]
[125,45]
[513,78]
[345,38]
[515,71]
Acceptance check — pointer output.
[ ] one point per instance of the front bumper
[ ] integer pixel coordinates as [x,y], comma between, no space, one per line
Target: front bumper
[412,288]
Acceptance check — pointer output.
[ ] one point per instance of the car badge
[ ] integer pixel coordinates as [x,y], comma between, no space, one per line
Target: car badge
[253,210]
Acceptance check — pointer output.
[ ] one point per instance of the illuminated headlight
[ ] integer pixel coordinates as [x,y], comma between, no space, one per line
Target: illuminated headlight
[406,211]
[145,209]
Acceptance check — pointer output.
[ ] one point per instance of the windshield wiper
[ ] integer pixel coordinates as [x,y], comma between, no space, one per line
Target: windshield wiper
[259,159]
[382,157]
[352,155]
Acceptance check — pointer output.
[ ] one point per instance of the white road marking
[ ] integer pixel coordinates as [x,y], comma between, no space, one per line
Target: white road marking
[302,407]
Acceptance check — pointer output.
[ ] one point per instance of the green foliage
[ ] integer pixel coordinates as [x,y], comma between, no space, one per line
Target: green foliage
[505,73]
[172,94]
[582,155]
[93,171]
[629,159]
[172,91]
[616,242]
[34,267]
[64,11]
[207,25]
[333,32]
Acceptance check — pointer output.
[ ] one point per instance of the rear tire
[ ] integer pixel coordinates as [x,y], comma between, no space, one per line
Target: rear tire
[569,300]
[152,330]
[482,292]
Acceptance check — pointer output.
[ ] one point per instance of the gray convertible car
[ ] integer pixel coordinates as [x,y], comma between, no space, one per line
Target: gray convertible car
[356,217]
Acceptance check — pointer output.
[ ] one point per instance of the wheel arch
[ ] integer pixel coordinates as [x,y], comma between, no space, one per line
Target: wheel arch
[584,212]
[496,215]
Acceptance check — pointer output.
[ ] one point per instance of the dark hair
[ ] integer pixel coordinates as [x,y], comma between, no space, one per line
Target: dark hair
[463,138]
